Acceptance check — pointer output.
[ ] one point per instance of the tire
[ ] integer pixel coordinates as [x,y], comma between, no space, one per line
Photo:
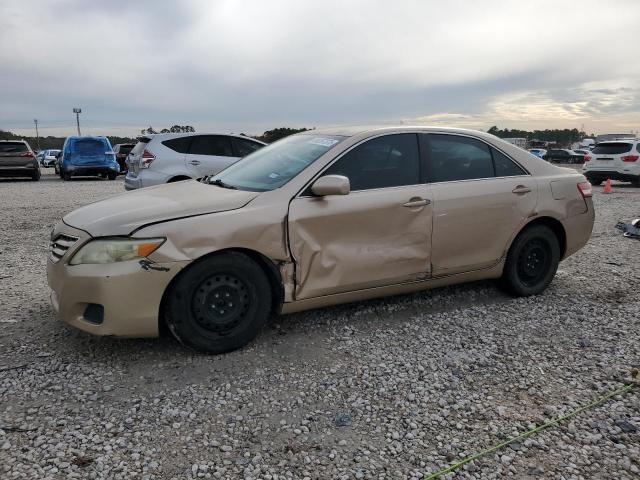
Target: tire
[595,181]
[65,176]
[636,182]
[36,176]
[230,280]
[103,175]
[112,176]
[532,261]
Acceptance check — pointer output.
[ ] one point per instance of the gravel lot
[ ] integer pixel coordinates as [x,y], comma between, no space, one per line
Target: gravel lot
[394,388]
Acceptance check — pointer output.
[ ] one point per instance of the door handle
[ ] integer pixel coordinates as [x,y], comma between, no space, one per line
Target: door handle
[521,190]
[416,202]
[194,162]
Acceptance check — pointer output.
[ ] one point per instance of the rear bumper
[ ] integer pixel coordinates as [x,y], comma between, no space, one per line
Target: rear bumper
[146,178]
[86,170]
[18,171]
[578,229]
[612,174]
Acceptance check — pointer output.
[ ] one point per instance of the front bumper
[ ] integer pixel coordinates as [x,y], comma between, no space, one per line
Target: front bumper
[129,294]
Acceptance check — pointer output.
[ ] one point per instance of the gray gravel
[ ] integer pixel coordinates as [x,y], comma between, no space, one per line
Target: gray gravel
[392,388]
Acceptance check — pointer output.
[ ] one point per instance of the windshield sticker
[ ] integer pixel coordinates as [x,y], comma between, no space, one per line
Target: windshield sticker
[325,142]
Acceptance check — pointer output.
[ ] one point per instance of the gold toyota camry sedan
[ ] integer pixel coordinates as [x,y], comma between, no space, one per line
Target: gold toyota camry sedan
[319,218]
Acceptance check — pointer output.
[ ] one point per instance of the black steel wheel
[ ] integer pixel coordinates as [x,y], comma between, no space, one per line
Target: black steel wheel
[532,261]
[219,303]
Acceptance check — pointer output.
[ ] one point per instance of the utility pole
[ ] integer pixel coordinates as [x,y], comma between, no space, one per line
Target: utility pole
[78,111]
[35,120]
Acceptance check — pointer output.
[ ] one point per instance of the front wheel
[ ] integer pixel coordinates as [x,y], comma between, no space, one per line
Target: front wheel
[532,261]
[218,304]
[112,176]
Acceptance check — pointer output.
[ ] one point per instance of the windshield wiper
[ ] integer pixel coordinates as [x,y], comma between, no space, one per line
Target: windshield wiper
[220,183]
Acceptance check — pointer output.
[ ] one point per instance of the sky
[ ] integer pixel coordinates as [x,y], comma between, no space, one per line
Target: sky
[251,65]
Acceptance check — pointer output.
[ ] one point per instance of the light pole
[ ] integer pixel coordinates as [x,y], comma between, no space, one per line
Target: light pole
[78,111]
[35,120]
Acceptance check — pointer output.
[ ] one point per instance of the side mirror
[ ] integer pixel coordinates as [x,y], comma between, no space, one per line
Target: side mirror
[331,185]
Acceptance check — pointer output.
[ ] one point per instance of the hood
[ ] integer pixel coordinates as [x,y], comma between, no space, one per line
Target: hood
[126,212]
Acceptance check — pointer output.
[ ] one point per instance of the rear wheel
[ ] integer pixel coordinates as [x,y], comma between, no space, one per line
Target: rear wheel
[594,181]
[65,175]
[636,182]
[112,176]
[532,261]
[218,304]
[36,176]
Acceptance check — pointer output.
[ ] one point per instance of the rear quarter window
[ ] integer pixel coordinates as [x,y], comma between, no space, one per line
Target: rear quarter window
[180,145]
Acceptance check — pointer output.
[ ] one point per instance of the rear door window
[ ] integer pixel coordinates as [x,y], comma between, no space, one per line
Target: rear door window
[454,157]
[245,147]
[504,166]
[612,148]
[216,145]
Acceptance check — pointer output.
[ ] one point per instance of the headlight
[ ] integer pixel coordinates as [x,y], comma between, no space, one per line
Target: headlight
[115,250]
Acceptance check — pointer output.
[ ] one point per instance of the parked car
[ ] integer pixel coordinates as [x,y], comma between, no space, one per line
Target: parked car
[122,150]
[538,152]
[617,160]
[87,156]
[563,155]
[316,219]
[171,157]
[47,158]
[18,160]
[582,152]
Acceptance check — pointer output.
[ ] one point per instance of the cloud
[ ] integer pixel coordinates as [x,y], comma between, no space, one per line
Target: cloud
[248,65]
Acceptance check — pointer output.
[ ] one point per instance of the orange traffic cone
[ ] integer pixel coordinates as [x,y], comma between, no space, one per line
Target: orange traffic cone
[607,186]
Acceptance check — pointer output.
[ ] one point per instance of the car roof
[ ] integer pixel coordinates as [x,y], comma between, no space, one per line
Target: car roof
[352,130]
[191,134]
[86,137]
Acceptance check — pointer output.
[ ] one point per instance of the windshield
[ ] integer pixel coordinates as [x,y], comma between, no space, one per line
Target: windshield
[274,165]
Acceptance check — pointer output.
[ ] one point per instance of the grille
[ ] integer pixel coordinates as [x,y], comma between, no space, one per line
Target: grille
[59,247]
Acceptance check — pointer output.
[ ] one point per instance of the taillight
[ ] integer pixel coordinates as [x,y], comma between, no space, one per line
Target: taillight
[585,189]
[630,158]
[587,158]
[27,154]
[147,158]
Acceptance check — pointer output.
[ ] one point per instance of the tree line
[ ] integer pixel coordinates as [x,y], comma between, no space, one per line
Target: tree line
[560,136]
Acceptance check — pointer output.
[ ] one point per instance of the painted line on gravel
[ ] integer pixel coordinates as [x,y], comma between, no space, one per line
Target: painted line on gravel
[554,422]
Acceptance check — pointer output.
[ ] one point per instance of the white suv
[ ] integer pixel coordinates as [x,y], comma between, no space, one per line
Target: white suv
[617,160]
[171,157]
